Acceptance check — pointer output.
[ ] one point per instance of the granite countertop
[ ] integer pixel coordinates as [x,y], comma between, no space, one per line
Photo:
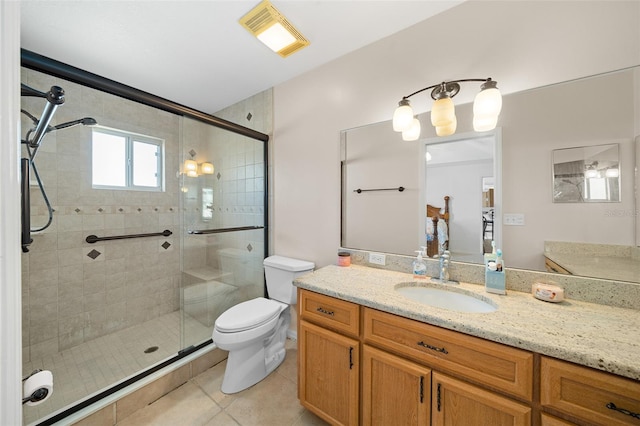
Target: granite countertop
[598,336]
[590,265]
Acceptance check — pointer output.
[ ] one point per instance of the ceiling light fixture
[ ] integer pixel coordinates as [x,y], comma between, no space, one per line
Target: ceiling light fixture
[273,29]
[486,109]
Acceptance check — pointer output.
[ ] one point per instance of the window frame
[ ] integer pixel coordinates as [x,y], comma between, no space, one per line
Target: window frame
[130,139]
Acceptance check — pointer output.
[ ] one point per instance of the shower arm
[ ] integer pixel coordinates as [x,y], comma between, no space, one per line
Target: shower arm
[55,98]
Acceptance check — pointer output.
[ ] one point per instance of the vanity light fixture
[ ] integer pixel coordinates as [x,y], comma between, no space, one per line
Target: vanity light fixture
[612,173]
[191,167]
[206,168]
[269,26]
[486,109]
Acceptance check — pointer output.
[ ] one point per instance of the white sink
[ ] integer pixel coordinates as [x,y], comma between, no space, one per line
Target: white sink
[446,299]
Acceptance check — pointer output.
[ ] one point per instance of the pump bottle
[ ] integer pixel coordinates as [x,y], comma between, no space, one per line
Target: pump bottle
[419,266]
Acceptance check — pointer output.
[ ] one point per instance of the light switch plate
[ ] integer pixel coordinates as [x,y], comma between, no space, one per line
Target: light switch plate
[513,219]
[377,258]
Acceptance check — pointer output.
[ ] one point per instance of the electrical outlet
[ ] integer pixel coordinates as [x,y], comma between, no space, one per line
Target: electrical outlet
[377,258]
[513,219]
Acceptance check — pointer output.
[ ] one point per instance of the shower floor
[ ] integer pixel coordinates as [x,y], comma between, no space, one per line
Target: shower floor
[92,366]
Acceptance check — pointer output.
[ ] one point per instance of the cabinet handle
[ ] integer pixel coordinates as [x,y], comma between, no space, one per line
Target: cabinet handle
[421,389]
[438,397]
[612,406]
[324,311]
[351,358]
[433,348]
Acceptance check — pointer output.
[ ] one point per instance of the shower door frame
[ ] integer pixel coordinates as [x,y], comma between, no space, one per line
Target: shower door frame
[55,68]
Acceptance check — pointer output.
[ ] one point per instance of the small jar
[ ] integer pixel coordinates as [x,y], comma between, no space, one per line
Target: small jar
[344,258]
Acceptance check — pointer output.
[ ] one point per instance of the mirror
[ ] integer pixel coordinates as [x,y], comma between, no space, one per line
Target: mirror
[460,172]
[586,174]
[532,131]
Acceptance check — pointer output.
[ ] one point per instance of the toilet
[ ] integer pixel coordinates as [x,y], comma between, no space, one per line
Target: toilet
[254,332]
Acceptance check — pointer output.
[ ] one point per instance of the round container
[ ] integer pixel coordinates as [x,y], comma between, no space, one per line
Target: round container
[344,258]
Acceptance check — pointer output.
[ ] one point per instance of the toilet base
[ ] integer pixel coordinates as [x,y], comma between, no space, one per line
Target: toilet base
[250,365]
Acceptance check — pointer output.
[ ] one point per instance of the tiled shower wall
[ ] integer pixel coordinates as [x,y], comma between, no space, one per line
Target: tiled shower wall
[74,291]
[238,190]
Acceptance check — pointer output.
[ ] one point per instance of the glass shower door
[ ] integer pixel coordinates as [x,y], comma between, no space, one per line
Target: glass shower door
[223,199]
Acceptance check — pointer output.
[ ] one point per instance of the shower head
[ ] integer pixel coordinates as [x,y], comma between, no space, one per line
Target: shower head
[55,98]
[86,121]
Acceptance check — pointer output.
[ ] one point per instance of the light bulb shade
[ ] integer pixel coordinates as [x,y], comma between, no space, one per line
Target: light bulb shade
[443,112]
[190,165]
[591,174]
[403,116]
[484,123]
[192,173]
[488,103]
[447,130]
[413,133]
[206,168]
[612,173]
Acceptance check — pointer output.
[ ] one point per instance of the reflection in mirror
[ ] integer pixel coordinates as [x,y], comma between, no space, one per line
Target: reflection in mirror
[586,174]
[532,128]
[463,169]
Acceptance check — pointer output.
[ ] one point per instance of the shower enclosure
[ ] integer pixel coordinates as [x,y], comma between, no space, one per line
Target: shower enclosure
[130,275]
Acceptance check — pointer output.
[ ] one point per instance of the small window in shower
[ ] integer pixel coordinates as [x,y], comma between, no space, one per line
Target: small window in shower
[123,160]
[207,204]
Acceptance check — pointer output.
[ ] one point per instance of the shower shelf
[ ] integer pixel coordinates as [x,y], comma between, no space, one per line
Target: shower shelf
[94,238]
[222,230]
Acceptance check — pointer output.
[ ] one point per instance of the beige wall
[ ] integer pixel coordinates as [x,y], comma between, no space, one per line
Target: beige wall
[519,44]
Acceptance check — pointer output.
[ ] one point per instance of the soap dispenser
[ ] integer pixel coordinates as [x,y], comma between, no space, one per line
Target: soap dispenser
[494,274]
[419,266]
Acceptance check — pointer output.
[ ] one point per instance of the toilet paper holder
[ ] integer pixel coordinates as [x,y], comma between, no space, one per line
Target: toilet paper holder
[38,394]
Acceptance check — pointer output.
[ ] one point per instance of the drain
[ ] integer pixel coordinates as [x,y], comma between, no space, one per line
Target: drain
[151,349]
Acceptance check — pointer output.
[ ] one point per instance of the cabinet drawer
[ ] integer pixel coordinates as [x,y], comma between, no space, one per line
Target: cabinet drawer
[595,396]
[498,366]
[329,312]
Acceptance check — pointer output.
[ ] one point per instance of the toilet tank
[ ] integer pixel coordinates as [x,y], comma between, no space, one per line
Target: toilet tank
[279,273]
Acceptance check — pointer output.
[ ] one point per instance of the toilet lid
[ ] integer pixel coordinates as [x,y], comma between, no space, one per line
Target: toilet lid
[247,315]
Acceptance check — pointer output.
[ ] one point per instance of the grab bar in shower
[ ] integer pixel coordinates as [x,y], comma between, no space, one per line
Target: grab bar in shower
[222,230]
[25,205]
[94,238]
[399,189]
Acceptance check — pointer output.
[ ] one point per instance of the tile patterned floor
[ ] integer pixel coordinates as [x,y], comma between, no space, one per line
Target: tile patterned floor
[199,402]
[87,368]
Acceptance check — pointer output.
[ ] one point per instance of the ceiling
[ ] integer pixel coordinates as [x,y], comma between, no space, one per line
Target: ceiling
[194,52]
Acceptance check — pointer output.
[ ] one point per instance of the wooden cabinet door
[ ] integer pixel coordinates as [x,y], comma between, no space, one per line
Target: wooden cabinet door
[394,391]
[455,403]
[328,374]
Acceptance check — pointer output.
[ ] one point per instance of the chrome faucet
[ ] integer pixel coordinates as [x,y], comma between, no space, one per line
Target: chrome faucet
[444,266]
[445,258]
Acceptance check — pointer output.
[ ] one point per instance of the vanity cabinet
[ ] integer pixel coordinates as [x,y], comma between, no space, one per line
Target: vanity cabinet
[458,403]
[592,396]
[486,363]
[329,357]
[394,391]
[358,364]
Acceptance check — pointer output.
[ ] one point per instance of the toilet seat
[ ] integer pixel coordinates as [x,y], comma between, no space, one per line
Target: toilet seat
[247,315]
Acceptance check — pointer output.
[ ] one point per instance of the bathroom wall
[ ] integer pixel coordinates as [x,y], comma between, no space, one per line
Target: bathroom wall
[74,291]
[534,44]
